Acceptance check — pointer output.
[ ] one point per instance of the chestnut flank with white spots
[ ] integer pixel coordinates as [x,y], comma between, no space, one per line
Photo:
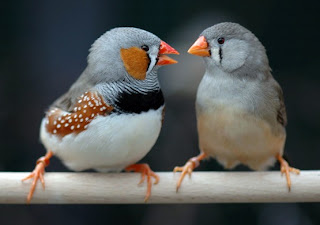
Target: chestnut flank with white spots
[60,123]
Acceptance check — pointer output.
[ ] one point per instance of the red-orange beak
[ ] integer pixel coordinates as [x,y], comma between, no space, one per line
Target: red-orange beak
[166,49]
[200,47]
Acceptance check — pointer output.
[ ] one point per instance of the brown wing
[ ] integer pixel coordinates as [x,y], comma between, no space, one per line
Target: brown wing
[282,114]
[89,106]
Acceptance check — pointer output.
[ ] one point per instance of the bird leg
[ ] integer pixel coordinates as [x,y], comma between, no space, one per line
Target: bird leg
[188,168]
[38,173]
[145,170]
[286,169]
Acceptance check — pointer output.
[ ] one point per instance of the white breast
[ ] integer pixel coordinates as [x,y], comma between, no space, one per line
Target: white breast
[109,144]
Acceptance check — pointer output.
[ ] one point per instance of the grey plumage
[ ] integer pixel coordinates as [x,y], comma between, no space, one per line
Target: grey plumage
[106,69]
[112,115]
[242,51]
[243,75]
[238,83]
[241,115]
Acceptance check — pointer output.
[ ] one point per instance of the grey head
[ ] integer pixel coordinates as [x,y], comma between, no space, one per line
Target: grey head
[231,48]
[123,54]
[232,51]
[105,62]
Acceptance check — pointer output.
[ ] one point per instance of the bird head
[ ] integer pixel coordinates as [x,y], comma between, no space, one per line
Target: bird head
[231,48]
[126,53]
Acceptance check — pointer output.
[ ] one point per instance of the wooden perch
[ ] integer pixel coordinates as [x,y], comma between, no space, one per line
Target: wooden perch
[202,187]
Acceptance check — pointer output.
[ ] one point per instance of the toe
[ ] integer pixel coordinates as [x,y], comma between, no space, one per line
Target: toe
[294,170]
[143,177]
[146,172]
[177,169]
[31,175]
[156,177]
[42,180]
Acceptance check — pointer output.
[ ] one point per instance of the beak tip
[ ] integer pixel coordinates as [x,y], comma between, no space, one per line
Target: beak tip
[167,49]
[165,60]
[200,47]
[192,50]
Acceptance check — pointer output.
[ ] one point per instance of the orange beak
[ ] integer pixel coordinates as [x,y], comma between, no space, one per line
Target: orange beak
[200,47]
[166,49]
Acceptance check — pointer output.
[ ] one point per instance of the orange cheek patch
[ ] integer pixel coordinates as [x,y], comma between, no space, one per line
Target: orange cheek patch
[89,106]
[135,61]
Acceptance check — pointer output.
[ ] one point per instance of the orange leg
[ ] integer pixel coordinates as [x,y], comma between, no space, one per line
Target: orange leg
[38,173]
[145,170]
[286,169]
[188,168]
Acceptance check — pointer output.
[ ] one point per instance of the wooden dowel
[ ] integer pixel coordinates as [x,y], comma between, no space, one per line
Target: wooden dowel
[122,188]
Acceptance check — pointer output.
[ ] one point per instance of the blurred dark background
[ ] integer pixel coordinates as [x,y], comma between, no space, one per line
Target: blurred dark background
[44,46]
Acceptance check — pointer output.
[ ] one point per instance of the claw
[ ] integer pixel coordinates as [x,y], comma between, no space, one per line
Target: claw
[42,180]
[143,177]
[37,174]
[156,177]
[28,177]
[188,168]
[286,169]
[145,170]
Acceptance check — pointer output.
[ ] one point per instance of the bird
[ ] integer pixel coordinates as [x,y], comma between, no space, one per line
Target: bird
[240,110]
[111,116]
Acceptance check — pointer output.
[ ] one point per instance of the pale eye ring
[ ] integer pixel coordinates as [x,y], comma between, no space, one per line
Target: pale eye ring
[145,48]
[221,40]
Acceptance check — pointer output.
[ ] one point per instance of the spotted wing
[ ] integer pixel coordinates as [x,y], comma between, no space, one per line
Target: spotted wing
[89,106]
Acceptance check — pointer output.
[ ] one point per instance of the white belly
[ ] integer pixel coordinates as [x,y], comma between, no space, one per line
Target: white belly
[109,144]
[233,136]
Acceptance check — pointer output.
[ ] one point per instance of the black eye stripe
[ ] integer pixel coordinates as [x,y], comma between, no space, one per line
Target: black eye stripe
[149,61]
[146,48]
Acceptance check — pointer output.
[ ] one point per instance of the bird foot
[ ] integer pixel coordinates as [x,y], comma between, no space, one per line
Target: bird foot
[37,174]
[145,171]
[188,168]
[286,169]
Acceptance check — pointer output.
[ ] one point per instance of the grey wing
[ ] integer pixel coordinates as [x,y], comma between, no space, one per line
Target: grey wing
[281,114]
[67,101]
[85,82]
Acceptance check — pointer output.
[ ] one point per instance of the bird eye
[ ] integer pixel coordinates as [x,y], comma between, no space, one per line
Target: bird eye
[221,40]
[145,48]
